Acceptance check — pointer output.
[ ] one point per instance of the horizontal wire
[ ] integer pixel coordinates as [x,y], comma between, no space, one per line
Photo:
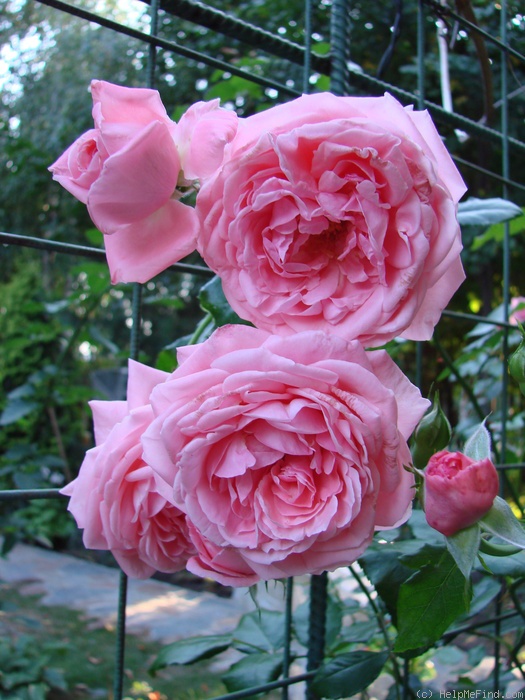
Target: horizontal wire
[489,173]
[477,319]
[439,113]
[266,687]
[235,28]
[358,77]
[85,251]
[29,494]
[168,45]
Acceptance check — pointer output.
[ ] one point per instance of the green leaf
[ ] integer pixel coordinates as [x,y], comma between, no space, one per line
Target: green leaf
[463,546]
[429,602]
[253,670]
[188,651]
[261,630]
[95,237]
[484,592]
[361,632]
[513,566]
[501,521]
[496,232]
[386,573]
[212,300]
[485,212]
[348,674]
[17,409]
[422,530]
[477,446]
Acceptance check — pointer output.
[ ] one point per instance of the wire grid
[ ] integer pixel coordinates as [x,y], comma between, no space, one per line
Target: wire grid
[343,79]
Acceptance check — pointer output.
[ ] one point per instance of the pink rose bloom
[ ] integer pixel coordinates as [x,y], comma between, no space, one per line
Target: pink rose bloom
[458,491]
[285,453]
[517,310]
[117,498]
[336,213]
[131,174]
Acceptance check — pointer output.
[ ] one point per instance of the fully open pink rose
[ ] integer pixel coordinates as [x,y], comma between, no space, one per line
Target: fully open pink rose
[285,453]
[458,491]
[336,213]
[130,171]
[118,499]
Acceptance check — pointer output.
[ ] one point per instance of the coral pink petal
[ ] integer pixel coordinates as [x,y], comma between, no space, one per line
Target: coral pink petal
[106,414]
[201,134]
[140,251]
[126,105]
[141,382]
[136,181]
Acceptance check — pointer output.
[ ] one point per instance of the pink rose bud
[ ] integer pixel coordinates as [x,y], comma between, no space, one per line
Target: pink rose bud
[458,491]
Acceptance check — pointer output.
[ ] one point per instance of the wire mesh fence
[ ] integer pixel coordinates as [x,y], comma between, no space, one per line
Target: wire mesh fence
[489,151]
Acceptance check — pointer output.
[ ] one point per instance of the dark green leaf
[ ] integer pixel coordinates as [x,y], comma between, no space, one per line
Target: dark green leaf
[17,409]
[429,602]
[348,674]
[422,530]
[253,670]
[212,299]
[386,572]
[513,566]
[188,651]
[501,521]
[261,630]
[22,391]
[484,592]
[463,546]
[360,631]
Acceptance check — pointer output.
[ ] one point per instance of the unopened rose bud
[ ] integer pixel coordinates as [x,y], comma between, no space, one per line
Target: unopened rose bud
[517,365]
[458,491]
[431,435]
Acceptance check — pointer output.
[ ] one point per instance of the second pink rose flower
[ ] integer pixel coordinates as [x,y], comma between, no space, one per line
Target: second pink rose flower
[132,170]
[285,453]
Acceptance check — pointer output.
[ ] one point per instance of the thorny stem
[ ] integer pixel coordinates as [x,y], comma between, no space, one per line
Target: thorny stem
[382,627]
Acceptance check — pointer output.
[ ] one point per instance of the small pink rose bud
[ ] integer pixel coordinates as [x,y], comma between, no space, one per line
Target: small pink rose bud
[458,491]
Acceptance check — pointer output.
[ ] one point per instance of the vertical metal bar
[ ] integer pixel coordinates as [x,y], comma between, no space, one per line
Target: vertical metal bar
[506,300]
[120,646]
[421,17]
[339,26]
[152,55]
[421,54]
[287,634]
[307,46]
[317,628]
